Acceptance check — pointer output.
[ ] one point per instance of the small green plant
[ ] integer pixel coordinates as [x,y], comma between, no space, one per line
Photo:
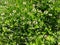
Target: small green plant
[29,22]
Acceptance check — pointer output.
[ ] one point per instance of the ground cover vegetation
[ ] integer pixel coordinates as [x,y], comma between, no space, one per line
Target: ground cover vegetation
[29,22]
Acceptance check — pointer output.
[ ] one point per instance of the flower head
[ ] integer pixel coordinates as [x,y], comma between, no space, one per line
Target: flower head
[24,3]
[50,14]
[14,11]
[46,12]
[2,13]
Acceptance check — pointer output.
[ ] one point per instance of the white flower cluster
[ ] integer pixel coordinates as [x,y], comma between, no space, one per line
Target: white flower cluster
[2,13]
[17,44]
[39,11]
[35,22]
[45,36]
[34,10]
[50,14]
[33,5]
[10,36]
[59,43]
[23,18]
[14,11]
[10,14]
[46,12]
[29,22]
[6,2]
[24,3]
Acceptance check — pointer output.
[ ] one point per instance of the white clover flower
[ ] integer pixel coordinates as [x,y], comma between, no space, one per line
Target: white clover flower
[10,37]
[50,28]
[2,13]
[29,22]
[40,11]
[5,2]
[17,44]
[45,36]
[59,43]
[50,14]
[10,14]
[23,18]
[22,37]
[33,5]
[34,10]
[14,11]
[24,3]
[46,12]
[35,22]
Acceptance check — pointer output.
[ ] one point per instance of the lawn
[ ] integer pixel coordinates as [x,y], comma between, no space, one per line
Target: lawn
[29,22]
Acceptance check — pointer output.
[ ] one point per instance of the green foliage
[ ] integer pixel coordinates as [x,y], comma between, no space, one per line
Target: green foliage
[29,22]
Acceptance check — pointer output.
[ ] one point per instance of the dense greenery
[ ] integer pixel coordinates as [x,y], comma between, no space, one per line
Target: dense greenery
[29,22]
